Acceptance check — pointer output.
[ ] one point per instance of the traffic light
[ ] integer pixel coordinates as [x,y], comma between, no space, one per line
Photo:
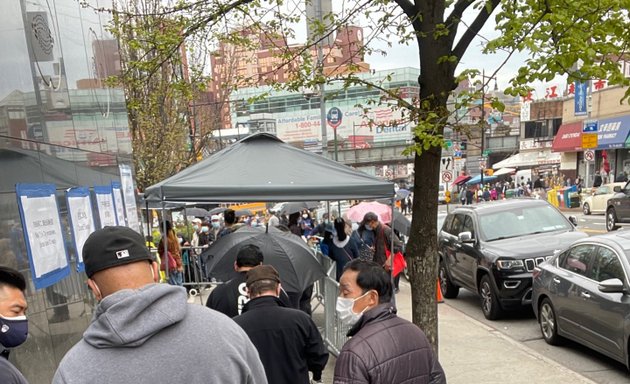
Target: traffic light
[447,197]
[489,172]
[462,145]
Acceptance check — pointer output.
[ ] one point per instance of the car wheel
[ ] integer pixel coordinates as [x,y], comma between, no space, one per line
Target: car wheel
[586,209]
[449,290]
[611,220]
[548,322]
[489,302]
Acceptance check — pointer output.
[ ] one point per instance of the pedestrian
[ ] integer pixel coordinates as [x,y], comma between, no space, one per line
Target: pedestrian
[13,322]
[539,183]
[486,194]
[230,297]
[470,195]
[306,223]
[380,236]
[597,180]
[383,347]
[215,228]
[294,225]
[288,341]
[403,206]
[273,220]
[147,333]
[172,258]
[194,242]
[342,247]
[230,223]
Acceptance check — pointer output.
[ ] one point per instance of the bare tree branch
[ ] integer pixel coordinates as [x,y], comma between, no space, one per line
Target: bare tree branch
[473,30]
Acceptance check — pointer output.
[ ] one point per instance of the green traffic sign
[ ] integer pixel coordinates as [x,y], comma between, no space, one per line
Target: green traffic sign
[487,152]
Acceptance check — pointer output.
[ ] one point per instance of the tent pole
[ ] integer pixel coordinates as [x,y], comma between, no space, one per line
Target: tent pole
[165,242]
[148,220]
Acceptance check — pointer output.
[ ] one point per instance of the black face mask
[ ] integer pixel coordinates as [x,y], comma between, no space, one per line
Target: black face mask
[13,331]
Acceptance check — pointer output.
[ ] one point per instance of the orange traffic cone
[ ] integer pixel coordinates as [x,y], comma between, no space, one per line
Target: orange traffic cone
[440,299]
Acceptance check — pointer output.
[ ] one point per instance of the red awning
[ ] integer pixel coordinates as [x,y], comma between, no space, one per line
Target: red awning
[462,179]
[569,138]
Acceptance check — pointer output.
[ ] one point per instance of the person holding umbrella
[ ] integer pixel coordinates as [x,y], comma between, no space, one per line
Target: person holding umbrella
[288,341]
[229,298]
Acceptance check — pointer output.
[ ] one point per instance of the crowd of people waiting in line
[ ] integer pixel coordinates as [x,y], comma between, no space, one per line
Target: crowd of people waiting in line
[248,332]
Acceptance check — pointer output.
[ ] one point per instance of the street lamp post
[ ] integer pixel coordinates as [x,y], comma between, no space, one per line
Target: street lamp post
[322,102]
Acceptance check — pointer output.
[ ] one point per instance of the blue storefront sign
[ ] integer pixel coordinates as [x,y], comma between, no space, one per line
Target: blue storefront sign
[613,132]
[590,126]
[581,98]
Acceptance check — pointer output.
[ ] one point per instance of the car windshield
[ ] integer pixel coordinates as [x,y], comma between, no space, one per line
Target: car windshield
[521,221]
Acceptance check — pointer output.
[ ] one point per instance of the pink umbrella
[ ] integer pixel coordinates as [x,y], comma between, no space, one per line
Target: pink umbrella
[384,212]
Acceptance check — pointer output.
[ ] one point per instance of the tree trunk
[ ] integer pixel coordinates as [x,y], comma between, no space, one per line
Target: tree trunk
[436,81]
[422,244]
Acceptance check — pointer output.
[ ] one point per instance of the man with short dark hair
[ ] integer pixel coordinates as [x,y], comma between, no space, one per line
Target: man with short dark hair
[13,322]
[287,339]
[384,348]
[147,332]
[229,298]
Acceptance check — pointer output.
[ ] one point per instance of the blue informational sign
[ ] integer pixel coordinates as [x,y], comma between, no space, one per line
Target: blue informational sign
[581,99]
[334,117]
[43,234]
[590,126]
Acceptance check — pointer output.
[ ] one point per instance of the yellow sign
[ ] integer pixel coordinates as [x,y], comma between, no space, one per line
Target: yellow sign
[589,140]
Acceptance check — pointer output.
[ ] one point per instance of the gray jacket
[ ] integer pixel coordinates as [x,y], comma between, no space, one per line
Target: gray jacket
[387,349]
[151,335]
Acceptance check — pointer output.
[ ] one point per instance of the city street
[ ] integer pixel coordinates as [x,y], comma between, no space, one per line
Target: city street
[522,326]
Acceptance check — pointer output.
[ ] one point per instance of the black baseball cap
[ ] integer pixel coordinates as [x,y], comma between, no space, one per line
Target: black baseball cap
[113,246]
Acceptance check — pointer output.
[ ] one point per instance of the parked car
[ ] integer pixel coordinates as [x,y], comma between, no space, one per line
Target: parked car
[492,248]
[598,200]
[618,208]
[582,294]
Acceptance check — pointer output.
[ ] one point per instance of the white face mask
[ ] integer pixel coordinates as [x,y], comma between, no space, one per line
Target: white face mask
[344,310]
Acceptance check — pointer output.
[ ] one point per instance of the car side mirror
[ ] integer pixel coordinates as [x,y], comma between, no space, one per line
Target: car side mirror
[611,286]
[617,189]
[573,220]
[466,237]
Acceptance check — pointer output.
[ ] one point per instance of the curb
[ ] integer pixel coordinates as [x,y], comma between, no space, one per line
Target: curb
[526,349]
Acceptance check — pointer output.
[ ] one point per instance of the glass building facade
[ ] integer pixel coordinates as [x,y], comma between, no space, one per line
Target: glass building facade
[60,124]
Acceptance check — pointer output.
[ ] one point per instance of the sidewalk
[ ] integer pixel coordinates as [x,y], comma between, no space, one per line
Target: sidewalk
[471,352]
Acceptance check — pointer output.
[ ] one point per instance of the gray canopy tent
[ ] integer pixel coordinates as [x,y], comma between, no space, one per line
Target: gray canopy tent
[262,167]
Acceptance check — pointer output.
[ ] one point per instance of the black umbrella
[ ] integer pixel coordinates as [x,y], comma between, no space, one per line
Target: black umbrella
[243,212]
[295,261]
[299,206]
[401,223]
[216,211]
[197,212]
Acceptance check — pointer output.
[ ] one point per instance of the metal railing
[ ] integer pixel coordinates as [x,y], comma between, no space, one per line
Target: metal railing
[328,288]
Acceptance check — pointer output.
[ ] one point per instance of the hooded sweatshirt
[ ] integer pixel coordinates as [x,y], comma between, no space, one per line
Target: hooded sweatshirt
[151,335]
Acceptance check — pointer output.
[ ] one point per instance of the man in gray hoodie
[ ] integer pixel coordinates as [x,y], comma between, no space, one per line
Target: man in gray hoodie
[144,332]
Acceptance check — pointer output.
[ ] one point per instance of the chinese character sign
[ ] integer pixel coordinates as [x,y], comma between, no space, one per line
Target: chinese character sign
[581,98]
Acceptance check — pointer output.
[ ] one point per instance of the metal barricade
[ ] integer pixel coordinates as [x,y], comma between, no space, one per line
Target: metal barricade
[334,330]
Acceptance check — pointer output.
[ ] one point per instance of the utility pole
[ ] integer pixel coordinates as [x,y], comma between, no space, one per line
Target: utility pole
[322,102]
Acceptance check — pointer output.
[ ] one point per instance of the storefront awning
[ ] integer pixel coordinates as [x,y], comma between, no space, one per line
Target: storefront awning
[613,132]
[569,138]
[529,159]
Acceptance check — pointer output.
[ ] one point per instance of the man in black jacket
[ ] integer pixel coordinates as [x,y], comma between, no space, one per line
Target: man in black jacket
[13,323]
[288,341]
[384,348]
[229,298]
